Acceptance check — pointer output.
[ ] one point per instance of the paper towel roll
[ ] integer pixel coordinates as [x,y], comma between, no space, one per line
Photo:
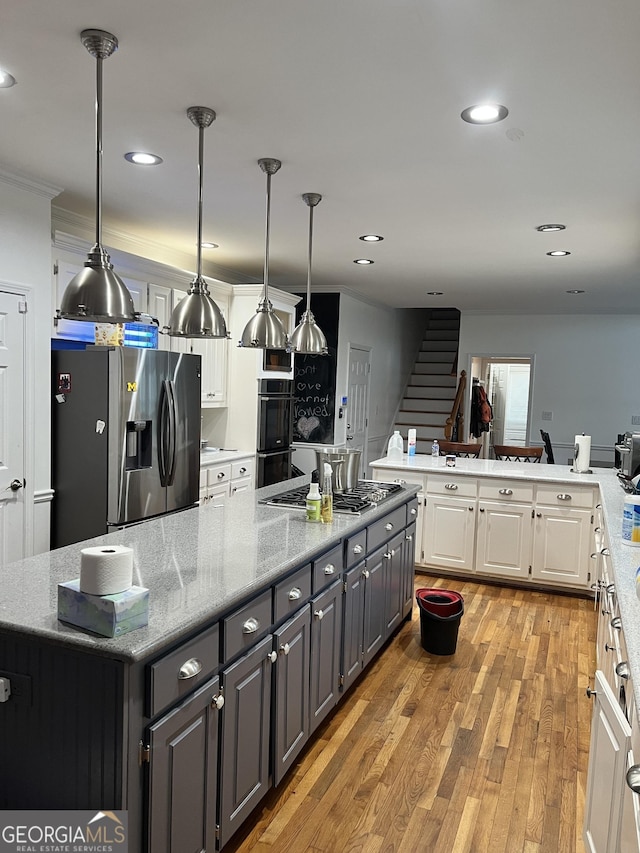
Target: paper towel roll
[582,454]
[106,569]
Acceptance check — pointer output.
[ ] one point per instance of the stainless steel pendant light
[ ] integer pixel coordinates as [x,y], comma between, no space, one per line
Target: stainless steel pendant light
[97,294]
[307,337]
[265,330]
[197,315]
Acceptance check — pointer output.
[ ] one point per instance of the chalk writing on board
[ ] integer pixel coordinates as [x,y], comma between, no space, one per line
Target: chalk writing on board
[314,383]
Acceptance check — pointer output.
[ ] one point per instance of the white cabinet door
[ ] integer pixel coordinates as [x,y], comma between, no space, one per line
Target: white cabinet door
[504,539]
[449,532]
[608,751]
[630,818]
[159,306]
[561,546]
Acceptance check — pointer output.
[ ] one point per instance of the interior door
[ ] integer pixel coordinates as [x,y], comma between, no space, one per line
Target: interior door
[358,402]
[12,359]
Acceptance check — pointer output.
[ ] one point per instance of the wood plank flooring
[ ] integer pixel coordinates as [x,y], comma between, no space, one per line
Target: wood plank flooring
[484,751]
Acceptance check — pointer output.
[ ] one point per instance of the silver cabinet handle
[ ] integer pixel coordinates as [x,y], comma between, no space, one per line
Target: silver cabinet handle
[221,475]
[190,669]
[451,486]
[272,657]
[633,778]
[505,491]
[481,509]
[250,626]
[622,669]
[470,509]
[365,573]
[388,526]
[319,614]
[609,648]
[243,470]
[616,623]
[605,552]
[611,588]
[538,515]
[388,555]
[357,549]
[217,701]
[413,511]
[285,649]
[563,496]
[295,594]
[330,569]
[590,692]
[409,538]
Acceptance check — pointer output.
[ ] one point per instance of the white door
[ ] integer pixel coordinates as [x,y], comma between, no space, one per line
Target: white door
[358,401]
[12,357]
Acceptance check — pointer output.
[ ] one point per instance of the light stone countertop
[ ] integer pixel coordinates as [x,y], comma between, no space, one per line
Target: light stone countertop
[624,559]
[197,564]
[209,456]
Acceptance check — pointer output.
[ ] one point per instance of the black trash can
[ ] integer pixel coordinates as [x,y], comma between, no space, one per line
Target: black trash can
[440,614]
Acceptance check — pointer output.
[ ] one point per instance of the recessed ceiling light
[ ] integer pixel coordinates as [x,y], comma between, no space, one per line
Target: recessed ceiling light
[484,113]
[363,261]
[575,291]
[6,80]
[545,228]
[435,293]
[371,238]
[559,253]
[141,158]
[206,245]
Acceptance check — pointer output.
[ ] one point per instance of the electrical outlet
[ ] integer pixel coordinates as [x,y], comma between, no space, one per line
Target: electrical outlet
[547,416]
[20,686]
[635,420]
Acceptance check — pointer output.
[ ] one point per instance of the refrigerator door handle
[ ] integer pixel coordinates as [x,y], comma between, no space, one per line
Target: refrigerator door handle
[163,432]
[172,409]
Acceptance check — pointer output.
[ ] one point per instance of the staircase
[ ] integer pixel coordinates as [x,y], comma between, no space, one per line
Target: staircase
[431,390]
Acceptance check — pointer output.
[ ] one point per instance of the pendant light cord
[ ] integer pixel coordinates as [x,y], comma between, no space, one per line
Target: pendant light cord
[200,182]
[266,241]
[99,61]
[309,259]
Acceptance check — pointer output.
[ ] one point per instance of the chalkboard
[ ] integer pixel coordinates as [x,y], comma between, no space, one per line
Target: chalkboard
[315,377]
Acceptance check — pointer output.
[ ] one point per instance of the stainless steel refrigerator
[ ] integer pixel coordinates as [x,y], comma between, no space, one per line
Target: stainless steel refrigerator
[125,438]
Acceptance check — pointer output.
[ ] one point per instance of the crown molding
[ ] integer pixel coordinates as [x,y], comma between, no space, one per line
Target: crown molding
[40,188]
[82,227]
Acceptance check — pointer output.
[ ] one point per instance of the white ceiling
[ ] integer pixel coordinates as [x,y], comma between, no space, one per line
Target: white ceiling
[361,101]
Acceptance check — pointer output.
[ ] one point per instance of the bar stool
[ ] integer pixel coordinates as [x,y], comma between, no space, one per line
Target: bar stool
[460,448]
[512,453]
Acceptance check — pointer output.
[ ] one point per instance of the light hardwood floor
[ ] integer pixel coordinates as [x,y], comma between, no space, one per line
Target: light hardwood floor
[483,751]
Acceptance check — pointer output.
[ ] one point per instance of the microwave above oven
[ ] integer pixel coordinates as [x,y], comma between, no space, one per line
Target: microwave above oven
[277,360]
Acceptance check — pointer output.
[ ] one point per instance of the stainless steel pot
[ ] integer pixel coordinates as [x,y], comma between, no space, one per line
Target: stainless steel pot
[345,466]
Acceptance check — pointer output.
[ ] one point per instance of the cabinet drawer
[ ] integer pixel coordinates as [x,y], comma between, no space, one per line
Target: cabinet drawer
[245,626]
[289,594]
[382,530]
[566,495]
[242,468]
[506,490]
[455,487]
[327,568]
[412,510]
[218,474]
[177,673]
[355,548]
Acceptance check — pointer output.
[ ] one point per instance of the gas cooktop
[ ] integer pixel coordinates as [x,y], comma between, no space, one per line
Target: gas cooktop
[367,494]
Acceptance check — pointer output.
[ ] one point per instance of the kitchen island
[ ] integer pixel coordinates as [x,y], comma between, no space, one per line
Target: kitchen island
[568,526]
[258,623]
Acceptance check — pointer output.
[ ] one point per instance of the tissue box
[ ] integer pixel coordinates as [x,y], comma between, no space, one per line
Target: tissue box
[108,615]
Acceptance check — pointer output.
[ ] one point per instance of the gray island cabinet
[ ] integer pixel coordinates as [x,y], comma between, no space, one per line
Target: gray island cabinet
[258,624]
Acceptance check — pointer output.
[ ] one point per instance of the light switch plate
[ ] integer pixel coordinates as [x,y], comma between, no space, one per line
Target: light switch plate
[547,416]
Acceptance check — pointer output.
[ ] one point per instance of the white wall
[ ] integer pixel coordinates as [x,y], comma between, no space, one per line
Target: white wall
[25,267]
[394,337]
[586,372]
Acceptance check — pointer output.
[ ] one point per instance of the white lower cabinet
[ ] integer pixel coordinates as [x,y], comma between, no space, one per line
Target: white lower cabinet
[226,479]
[504,540]
[448,534]
[561,546]
[606,781]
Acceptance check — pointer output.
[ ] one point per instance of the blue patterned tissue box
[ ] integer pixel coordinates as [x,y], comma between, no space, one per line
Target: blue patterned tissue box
[107,615]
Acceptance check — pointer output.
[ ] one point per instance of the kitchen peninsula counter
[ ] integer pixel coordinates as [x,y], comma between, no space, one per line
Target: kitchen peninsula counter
[197,564]
[624,559]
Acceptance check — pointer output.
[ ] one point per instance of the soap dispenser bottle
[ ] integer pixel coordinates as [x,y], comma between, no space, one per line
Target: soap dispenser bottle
[314,499]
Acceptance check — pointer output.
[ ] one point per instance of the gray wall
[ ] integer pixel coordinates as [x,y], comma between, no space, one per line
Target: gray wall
[586,372]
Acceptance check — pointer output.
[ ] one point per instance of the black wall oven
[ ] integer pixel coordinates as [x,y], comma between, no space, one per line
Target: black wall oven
[275,431]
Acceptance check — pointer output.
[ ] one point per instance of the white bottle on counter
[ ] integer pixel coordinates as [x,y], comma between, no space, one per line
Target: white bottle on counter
[411,442]
[435,449]
[395,447]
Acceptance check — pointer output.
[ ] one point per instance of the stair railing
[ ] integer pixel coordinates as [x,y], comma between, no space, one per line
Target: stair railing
[456,419]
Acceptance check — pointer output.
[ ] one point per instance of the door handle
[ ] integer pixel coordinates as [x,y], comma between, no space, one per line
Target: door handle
[349,438]
[15,485]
